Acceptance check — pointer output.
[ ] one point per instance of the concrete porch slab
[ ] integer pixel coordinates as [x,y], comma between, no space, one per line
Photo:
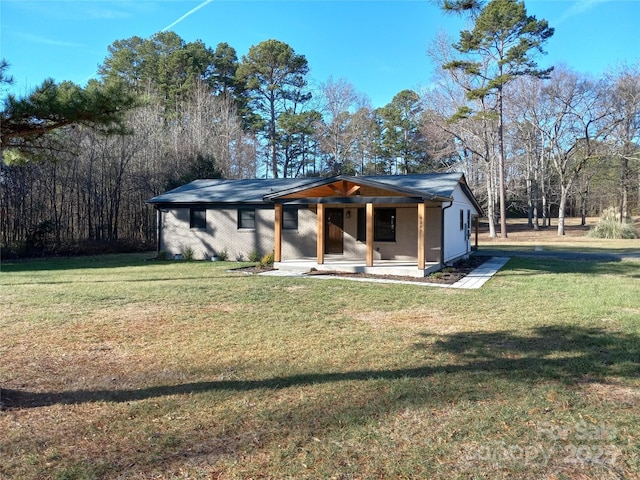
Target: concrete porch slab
[476,279]
[404,268]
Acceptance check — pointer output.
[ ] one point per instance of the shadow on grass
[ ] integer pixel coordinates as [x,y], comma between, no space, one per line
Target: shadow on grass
[83,262]
[174,280]
[566,354]
[122,260]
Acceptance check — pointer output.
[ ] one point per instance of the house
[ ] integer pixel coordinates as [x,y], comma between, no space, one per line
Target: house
[415,223]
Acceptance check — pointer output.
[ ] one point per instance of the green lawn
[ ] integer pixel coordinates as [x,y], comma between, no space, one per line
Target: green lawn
[117,367]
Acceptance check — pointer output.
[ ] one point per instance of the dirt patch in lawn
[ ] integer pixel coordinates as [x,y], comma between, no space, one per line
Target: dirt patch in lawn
[436,319]
[612,393]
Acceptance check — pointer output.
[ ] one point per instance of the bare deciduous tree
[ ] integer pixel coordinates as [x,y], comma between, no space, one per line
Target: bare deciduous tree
[475,129]
[624,98]
[347,121]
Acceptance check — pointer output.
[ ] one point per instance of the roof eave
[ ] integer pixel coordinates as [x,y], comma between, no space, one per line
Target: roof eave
[287,191]
[272,197]
[467,191]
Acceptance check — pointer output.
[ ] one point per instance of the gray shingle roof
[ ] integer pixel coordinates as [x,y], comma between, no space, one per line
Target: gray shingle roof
[227,191]
[440,184]
[253,191]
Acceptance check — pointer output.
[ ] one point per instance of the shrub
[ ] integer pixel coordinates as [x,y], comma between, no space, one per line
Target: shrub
[223,255]
[254,257]
[611,227]
[41,235]
[267,260]
[187,253]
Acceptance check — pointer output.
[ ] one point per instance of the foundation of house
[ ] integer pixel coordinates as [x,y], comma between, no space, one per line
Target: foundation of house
[402,268]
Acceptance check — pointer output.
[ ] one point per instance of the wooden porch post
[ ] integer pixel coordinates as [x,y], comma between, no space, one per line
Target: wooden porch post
[277,247]
[320,242]
[421,238]
[369,234]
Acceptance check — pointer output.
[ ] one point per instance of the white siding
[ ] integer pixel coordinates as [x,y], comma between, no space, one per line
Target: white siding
[456,240]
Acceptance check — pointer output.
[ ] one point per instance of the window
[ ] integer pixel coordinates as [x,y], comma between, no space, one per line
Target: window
[384,225]
[289,218]
[247,218]
[361,234]
[461,219]
[198,218]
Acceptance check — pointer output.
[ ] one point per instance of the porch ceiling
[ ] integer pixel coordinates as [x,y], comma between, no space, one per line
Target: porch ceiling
[339,188]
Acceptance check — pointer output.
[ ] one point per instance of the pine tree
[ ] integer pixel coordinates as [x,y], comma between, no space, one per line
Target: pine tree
[506,39]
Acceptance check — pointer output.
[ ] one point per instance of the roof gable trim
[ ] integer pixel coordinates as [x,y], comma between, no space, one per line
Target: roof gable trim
[346,186]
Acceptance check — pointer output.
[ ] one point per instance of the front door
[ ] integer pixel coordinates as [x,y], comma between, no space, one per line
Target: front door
[334,230]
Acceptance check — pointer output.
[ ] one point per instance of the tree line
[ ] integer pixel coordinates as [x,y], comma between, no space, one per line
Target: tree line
[78,164]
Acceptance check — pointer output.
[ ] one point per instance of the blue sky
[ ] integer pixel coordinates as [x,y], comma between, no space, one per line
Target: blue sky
[379,46]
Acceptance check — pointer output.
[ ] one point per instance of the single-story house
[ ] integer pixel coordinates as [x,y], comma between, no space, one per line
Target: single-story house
[420,222]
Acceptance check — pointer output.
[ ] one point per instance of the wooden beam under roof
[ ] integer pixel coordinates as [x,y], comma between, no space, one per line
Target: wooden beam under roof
[369,234]
[421,235]
[320,234]
[341,188]
[352,190]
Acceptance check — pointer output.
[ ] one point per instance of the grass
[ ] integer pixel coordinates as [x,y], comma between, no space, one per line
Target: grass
[522,238]
[117,367]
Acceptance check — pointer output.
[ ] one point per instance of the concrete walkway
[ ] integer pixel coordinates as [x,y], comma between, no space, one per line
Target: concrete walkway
[480,275]
[473,280]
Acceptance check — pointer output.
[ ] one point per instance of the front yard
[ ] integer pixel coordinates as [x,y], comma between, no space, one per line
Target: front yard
[117,367]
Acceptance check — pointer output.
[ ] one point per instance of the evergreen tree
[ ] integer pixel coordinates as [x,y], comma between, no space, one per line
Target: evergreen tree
[505,38]
[402,137]
[275,80]
[163,65]
[52,106]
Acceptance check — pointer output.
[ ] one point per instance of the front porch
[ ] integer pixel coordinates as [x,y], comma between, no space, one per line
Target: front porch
[360,222]
[338,263]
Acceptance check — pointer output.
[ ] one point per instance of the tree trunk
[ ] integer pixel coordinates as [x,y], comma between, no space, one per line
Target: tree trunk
[583,206]
[535,187]
[490,201]
[564,194]
[272,135]
[529,187]
[543,187]
[625,173]
[545,206]
[501,180]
